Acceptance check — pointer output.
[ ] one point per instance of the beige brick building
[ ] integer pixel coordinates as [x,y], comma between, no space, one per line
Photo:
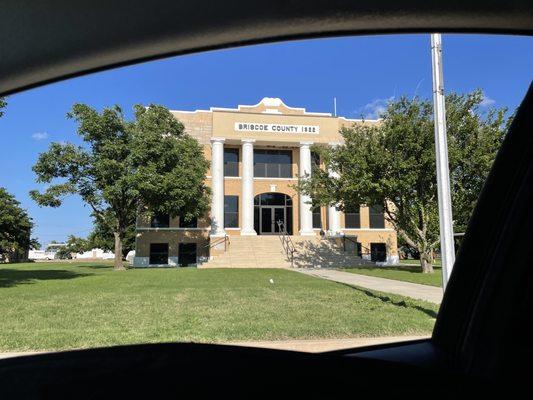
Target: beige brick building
[257,155]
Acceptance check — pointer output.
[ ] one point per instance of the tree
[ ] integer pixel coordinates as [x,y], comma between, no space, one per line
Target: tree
[124,167]
[102,237]
[3,103]
[15,228]
[392,164]
[474,138]
[35,244]
[73,245]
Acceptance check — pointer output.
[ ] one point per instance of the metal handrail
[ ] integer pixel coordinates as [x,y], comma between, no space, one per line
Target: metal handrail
[286,242]
[225,239]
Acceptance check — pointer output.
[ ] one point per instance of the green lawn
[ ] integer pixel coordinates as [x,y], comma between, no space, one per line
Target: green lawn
[47,306]
[406,273]
[417,262]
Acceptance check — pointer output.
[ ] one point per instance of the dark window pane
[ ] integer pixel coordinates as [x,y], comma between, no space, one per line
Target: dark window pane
[288,221]
[315,159]
[231,220]
[317,220]
[260,170]
[377,218]
[272,170]
[231,169]
[231,162]
[273,163]
[231,211]
[260,156]
[160,221]
[378,252]
[159,253]
[193,223]
[285,171]
[187,254]
[285,157]
[272,199]
[256,217]
[231,155]
[231,203]
[352,220]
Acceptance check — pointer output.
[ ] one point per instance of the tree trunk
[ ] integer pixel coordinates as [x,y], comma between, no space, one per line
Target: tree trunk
[119,264]
[425,263]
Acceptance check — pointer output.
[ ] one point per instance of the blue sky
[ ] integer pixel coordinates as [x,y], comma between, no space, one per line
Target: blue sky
[362,73]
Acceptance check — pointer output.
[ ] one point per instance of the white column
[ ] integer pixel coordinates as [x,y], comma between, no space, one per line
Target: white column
[334,216]
[217,187]
[306,212]
[248,187]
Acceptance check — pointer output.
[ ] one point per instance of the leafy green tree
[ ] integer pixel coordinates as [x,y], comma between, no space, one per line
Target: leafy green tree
[102,237]
[3,103]
[35,244]
[474,138]
[392,163]
[73,245]
[15,228]
[124,167]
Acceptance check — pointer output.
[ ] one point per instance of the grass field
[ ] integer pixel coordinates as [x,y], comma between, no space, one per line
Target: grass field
[436,262]
[406,273]
[51,306]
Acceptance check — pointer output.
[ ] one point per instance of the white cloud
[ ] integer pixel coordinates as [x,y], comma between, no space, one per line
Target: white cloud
[487,101]
[375,108]
[40,135]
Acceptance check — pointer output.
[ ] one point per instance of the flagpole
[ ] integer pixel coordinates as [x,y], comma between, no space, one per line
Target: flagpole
[441,151]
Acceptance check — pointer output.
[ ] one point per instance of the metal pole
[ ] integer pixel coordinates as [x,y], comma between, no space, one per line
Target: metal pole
[441,152]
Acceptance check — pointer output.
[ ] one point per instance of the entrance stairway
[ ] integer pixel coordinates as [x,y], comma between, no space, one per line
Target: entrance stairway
[268,252]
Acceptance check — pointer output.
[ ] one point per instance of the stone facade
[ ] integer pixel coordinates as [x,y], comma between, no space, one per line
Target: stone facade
[268,125]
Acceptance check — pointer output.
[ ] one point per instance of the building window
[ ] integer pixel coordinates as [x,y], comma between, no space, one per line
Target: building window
[352,218]
[231,162]
[378,252]
[317,218]
[273,163]
[192,223]
[231,211]
[315,159]
[377,218]
[160,221]
[187,254]
[158,253]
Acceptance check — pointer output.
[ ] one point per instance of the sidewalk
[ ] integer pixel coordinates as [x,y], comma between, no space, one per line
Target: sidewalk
[414,290]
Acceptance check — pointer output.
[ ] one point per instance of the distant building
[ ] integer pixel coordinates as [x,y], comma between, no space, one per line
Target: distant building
[49,253]
[95,254]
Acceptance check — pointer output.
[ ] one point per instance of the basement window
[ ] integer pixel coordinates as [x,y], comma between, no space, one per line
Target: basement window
[158,253]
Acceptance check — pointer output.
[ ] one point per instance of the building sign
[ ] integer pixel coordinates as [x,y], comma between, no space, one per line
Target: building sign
[276,128]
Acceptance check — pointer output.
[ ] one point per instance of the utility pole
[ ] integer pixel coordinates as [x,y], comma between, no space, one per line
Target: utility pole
[335,106]
[447,247]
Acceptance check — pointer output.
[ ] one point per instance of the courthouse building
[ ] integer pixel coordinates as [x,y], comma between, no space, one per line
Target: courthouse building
[257,154]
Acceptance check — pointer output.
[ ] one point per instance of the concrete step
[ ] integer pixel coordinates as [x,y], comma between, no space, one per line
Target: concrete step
[268,252]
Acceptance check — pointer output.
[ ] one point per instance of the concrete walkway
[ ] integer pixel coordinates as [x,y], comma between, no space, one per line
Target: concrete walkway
[432,294]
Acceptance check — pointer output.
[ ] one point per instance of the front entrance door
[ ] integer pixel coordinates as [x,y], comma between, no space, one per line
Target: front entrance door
[270,215]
